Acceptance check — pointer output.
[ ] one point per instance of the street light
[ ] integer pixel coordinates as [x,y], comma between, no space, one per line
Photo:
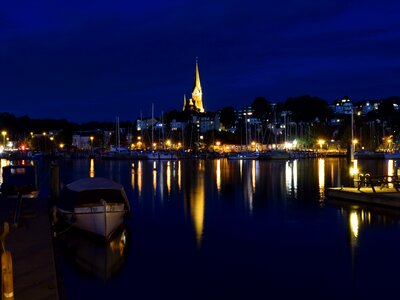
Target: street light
[321,142]
[4,133]
[44,137]
[91,143]
[355,142]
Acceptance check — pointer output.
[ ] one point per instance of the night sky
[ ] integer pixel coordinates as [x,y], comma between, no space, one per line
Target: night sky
[95,60]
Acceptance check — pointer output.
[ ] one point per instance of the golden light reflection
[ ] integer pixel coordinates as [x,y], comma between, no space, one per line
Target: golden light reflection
[154,178]
[169,177]
[179,175]
[197,207]
[241,168]
[253,175]
[354,224]
[91,171]
[218,175]
[354,168]
[291,176]
[390,167]
[321,176]
[248,189]
[133,176]
[118,244]
[139,178]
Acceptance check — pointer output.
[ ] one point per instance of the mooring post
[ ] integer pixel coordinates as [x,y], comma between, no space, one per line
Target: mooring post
[7,281]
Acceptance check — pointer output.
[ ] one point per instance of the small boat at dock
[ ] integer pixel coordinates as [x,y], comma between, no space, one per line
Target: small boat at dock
[96,205]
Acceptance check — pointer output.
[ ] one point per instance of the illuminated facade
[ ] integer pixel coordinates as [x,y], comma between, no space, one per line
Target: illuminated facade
[195,104]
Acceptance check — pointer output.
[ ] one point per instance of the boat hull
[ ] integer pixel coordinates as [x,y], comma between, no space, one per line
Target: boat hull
[101,220]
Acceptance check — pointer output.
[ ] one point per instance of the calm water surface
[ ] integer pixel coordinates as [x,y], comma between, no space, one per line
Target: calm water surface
[234,229]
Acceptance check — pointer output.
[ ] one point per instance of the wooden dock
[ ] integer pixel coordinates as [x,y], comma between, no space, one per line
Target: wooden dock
[385,197]
[30,242]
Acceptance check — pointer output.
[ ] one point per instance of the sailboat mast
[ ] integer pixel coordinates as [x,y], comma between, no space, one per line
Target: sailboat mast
[152,126]
[352,136]
[117,132]
[162,128]
[245,121]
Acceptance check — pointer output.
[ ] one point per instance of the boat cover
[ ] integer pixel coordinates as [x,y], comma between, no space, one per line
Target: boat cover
[92,191]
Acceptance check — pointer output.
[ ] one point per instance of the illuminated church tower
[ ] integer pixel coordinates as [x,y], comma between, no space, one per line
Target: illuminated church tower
[196,102]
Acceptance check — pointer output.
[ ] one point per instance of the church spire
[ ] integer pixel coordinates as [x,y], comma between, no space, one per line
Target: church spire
[197,83]
[197,93]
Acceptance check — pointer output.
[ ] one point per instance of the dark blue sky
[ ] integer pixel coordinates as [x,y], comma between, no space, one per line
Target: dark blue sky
[95,60]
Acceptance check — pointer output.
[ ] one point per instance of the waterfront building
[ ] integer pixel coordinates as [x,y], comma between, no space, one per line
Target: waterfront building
[206,122]
[343,106]
[81,142]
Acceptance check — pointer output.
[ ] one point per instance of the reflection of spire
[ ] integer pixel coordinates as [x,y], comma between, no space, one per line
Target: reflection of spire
[91,172]
[197,206]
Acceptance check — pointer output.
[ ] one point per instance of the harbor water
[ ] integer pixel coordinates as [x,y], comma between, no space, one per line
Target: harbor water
[221,229]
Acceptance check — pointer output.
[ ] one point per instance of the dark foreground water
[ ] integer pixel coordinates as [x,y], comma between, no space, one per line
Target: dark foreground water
[234,230]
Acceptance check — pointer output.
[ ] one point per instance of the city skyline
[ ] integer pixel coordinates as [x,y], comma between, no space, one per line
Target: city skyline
[98,60]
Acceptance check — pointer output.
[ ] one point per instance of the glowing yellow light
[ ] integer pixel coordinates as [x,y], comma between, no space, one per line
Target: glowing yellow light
[321,176]
[91,171]
[197,206]
[4,133]
[354,169]
[354,224]
[218,143]
[321,142]
[218,175]
[169,177]
[62,146]
[44,133]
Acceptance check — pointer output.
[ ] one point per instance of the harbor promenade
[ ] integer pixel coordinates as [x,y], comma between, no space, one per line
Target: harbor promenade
[31,245]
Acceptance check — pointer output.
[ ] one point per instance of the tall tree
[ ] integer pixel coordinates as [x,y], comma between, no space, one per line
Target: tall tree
[228,117]
[260,106]
[308,108]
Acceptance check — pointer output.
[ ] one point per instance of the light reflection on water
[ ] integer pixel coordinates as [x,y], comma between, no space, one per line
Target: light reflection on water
[231,227]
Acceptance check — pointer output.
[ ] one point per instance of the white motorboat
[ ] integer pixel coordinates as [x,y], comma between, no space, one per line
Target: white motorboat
[97,205]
